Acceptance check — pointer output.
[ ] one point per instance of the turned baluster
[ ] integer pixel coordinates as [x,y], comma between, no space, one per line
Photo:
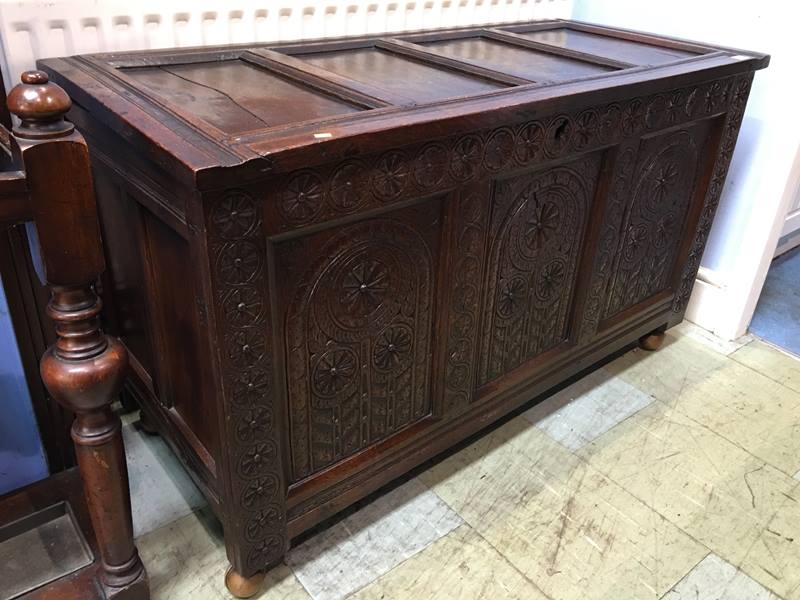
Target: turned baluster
[84,370]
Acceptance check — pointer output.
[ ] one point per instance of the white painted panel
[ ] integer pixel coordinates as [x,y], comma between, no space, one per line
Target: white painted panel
[790,233]
[796,205]
[42,29]
[792,223]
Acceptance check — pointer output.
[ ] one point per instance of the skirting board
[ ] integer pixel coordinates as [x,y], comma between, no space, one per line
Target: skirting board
[786,243]
[792,224]
[790,236]
[704,305]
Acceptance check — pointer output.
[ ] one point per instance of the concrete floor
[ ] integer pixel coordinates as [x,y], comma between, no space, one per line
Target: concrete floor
[663,475]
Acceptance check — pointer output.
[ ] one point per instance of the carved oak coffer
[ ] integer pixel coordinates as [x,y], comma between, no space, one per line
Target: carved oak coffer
[332,260]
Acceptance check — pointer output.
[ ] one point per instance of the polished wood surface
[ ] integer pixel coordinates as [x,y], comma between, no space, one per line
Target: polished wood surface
[231,96]
[14,203]
[632,52]
[84,369]
[523,62]
[317,305]
[403,76]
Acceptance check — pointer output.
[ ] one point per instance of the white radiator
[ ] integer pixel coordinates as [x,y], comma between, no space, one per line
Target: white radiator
[36,29]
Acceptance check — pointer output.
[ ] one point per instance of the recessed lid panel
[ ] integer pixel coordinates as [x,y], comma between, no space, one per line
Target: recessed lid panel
[514,60]
[235,96]
[403,76]
[609,47]
[201,108]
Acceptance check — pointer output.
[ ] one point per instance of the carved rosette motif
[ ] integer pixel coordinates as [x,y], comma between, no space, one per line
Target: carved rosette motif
[466,157]
[358,333]
[239,279]
[349,187]
[390,176]
[430,165]
[735,94]
[301,198]
[536,226]
[499,149]
[312,196]
[468,249]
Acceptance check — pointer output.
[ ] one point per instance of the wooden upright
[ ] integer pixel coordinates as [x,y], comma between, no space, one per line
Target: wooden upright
[84,370]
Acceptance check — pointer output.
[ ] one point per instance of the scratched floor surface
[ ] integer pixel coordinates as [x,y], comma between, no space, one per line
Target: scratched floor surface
[669,475]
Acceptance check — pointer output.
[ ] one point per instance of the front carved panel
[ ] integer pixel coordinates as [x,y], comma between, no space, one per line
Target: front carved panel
[353,303]
[661,193]
[359,319]
[536,232]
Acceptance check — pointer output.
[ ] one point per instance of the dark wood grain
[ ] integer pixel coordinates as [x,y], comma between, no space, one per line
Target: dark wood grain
[635,53]
[361,289]
[15,205]
[365,94]
[528,42]
[230,95]
[435,57]
[526,63]
[398,74]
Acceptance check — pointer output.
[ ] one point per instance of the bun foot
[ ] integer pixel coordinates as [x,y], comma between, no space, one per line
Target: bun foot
[651,341]
[243,587]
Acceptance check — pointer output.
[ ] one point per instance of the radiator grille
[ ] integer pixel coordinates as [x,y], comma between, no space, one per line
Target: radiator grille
[33,30]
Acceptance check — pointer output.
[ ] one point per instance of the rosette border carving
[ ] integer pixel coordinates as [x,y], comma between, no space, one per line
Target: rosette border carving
[239,281]
[733,92]
[313,196]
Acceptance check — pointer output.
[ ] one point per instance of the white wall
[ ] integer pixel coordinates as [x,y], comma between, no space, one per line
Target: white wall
[761,181]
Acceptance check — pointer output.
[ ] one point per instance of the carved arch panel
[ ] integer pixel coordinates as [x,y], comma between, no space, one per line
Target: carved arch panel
[654,225]
[537,225]
[358,320]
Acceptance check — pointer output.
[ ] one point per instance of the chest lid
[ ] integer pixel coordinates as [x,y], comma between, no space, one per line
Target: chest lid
[199,110]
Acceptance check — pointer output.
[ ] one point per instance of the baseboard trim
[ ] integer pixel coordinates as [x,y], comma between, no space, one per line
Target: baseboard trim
[703,307]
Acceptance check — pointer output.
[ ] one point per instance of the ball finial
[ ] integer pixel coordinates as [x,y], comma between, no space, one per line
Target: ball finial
[35,77]
[40,106]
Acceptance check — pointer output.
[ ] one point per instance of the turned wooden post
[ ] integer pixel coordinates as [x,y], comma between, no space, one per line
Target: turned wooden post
[85,368]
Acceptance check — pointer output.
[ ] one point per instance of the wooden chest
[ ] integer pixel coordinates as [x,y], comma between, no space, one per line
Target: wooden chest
[333,260]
